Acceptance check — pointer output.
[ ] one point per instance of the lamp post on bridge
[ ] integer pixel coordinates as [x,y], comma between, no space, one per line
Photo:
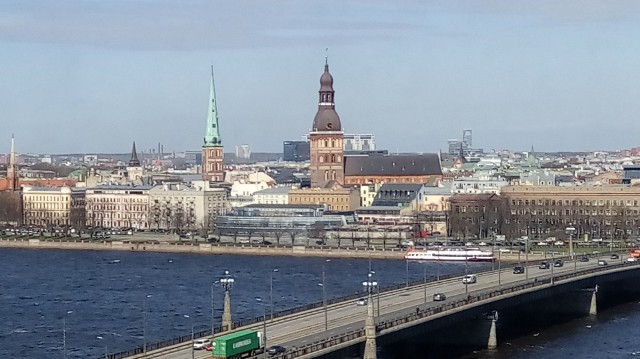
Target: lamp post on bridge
[227,284]
[370,286]
[213,323]
[144,324]
[275,270]
[192,336]
[571,230]
[264,325]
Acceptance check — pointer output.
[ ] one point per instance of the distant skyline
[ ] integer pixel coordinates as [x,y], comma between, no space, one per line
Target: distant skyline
[88,76]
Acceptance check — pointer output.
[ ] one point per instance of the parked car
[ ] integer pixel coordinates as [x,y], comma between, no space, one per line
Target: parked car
[200,344]
[276,349]
[544,265]
[469,279]
[602,262]
[438,297]
[584,259]
[320,242]
[614,256]
[558,243]
[518,269]
[558,263]
[362,301]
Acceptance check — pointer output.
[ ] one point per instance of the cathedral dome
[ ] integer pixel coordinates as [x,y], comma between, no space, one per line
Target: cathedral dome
[327,119]
[326,80]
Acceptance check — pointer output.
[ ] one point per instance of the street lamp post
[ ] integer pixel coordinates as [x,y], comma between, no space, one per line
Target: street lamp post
[227,283]
[192,336]
[324,296]
[144,324]
[425,282]
[264,325]
[370,287]
[213,323]
[466,272]
[526,258]
[406,273]
[275,270]
[570,231]
[499,267]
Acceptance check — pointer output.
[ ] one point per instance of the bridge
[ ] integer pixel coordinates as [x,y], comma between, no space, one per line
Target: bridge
[498,298]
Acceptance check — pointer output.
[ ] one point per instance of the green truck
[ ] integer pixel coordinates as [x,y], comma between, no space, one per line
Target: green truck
[236,345]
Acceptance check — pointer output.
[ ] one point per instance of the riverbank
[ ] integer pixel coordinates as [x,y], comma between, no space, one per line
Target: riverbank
[235,249]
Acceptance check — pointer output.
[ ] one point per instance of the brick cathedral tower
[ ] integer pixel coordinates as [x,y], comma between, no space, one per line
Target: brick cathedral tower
[326,137]
[212,150]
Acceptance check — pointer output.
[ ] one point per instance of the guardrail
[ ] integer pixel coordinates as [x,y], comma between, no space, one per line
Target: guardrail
[353,335]
[278,314]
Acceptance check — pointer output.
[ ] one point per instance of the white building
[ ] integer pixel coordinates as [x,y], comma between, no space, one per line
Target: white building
[359,142]
[182,208]
[276,195]
[368,193]
[118,206]
[53,206]
[476,185]
[243,152]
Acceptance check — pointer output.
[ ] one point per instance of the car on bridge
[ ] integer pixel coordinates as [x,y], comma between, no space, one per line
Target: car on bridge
[584,259]
[469,279]
[602,262]
[362,301]
[438,297]
[518,269]
[614,256]
[558,263]
[276,349]
[200,344]
[544,265]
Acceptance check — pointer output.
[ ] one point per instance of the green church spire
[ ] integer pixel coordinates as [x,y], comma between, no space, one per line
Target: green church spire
[212,135]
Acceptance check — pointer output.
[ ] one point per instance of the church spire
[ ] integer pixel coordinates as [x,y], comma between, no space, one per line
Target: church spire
[134,162]
[212,135]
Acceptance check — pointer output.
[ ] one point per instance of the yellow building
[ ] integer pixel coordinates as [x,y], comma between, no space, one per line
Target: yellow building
[336,198]
[53,206]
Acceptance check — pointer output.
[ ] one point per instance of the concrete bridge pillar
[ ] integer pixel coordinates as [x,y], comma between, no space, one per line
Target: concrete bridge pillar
[370,332]
[492,344]
[593,308]
[226,314]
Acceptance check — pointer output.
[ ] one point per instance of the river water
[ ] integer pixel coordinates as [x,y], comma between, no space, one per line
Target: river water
[90,302]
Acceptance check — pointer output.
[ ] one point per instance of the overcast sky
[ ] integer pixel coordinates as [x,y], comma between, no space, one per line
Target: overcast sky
[94,75]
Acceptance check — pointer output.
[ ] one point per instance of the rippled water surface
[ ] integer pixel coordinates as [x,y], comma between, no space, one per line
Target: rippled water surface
[99,304]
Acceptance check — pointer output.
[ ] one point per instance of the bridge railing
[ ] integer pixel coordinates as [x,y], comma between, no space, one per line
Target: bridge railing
[420,314]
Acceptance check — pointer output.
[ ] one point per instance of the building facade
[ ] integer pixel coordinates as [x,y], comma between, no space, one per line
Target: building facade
[606,212]
[212,150]
[336,198]
[359,142]
[295,151]
[326,137]
[48,207]
[118,206]
[476,215]
[181,208]
[276,195]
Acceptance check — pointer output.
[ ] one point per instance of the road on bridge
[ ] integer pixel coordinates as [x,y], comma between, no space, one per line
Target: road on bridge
[307,327]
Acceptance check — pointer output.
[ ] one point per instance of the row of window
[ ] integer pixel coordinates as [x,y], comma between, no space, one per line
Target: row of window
[575,202]
[585,212]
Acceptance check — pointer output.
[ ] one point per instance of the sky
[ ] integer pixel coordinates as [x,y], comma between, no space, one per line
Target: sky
[92,76]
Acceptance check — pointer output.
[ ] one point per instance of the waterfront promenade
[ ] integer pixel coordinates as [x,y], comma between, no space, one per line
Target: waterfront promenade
[126,244]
